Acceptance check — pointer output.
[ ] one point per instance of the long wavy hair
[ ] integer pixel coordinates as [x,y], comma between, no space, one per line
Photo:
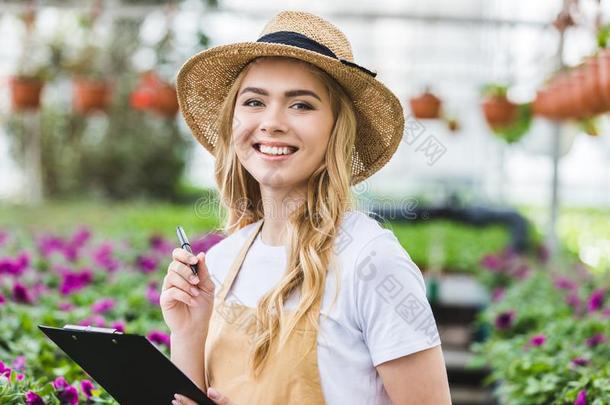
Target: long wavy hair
[312,226]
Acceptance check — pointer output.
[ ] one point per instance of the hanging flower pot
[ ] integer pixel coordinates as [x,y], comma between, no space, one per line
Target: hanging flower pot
[153,93]
[604,74]
[594,98]
[166,100]
[25,92]
[578,99]
[91,95]
[561,93]
[544,105]
[499,111]
[426,106]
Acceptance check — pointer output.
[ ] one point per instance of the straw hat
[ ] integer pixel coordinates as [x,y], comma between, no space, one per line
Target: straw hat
[204,81]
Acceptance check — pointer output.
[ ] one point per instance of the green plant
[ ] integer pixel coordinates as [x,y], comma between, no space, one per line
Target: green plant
[494,89]
[514,132]
[603,36]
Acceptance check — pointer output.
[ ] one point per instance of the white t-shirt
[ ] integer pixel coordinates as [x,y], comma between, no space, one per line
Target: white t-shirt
[381,310]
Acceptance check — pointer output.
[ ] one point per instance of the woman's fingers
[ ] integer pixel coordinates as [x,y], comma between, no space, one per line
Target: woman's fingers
[183,271]
[176,294]
[205,281]
[176,280]
[219,398]
[182,400]
[182,255]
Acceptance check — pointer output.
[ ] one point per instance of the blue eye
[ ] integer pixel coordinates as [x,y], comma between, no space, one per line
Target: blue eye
[307,106]
[247,103]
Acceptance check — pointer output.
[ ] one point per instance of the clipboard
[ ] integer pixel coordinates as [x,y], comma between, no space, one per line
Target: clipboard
[128,366]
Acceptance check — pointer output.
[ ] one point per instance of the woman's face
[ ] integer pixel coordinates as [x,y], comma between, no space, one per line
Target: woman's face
[281,107]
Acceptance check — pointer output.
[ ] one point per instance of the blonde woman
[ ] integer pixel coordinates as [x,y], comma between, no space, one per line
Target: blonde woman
[307,301]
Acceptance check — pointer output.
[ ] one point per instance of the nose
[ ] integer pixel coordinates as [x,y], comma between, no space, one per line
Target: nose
[273,121]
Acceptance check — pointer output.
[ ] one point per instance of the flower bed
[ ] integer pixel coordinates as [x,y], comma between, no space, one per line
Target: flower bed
[55,280]
[548,334]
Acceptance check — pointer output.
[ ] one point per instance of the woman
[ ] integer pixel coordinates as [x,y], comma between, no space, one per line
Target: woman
[307,300]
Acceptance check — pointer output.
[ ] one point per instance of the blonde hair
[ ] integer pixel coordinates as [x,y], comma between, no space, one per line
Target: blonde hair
[312,226]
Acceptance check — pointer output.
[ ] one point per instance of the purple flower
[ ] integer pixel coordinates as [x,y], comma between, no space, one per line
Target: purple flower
[19,363]
[581,398]
[80,237]
[573,301]
[86,386]
[206,242]
[2,299]
[543,254]
[596,300]
[95,320]
[492,262]
[146,263]
[20,377]
[15,266]
[65,306]
[564,283]
[498,293]
[580,361]
[521,272]
[60,383]
[102,306]
[118,325]
[152,294]
[159,338]
[68,396]
[537,340]
[47,244]
[66,393]
[160,244]
[4,370]
[21,294]
[596,340]
[505,320]
[32,398]
[103,257]
[72,281]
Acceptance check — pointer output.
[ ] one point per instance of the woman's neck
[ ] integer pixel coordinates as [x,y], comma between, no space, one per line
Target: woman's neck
[277,205]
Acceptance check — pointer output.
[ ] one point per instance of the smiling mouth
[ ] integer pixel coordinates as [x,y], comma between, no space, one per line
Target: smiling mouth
[270,151]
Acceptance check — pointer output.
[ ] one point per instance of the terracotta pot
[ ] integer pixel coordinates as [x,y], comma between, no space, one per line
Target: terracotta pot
[498,111]
[543,104]
[166,100]
[604,74]
[426,106]
[561,94]
[25,93]
[578,101]
[91,95]
[594,98]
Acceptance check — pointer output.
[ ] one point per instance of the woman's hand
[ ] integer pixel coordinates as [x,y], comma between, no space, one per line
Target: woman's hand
[214,395]
[187,300]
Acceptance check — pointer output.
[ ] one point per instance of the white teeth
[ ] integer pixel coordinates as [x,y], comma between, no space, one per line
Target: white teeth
[273,150]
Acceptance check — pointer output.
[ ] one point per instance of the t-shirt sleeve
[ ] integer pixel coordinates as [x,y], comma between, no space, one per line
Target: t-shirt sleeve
[392,310]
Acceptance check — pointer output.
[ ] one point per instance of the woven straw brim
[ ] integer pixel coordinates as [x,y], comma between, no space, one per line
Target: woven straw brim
[204,81]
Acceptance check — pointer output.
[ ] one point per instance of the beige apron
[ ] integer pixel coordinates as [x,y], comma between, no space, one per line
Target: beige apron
[289,377]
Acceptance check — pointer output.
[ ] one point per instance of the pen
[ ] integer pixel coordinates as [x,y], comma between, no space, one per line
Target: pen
[184,244]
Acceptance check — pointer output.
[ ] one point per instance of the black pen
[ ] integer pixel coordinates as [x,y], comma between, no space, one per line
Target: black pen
[184,244]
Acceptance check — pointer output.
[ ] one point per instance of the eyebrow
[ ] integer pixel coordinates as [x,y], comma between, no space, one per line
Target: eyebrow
[289,93]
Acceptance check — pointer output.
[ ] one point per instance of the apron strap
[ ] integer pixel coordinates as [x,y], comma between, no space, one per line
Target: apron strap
[236,266]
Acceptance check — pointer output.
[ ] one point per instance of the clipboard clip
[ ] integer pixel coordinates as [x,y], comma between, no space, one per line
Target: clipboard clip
[90,328]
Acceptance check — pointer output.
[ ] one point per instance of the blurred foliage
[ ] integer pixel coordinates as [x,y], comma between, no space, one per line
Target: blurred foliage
[449,245]
[122,154]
